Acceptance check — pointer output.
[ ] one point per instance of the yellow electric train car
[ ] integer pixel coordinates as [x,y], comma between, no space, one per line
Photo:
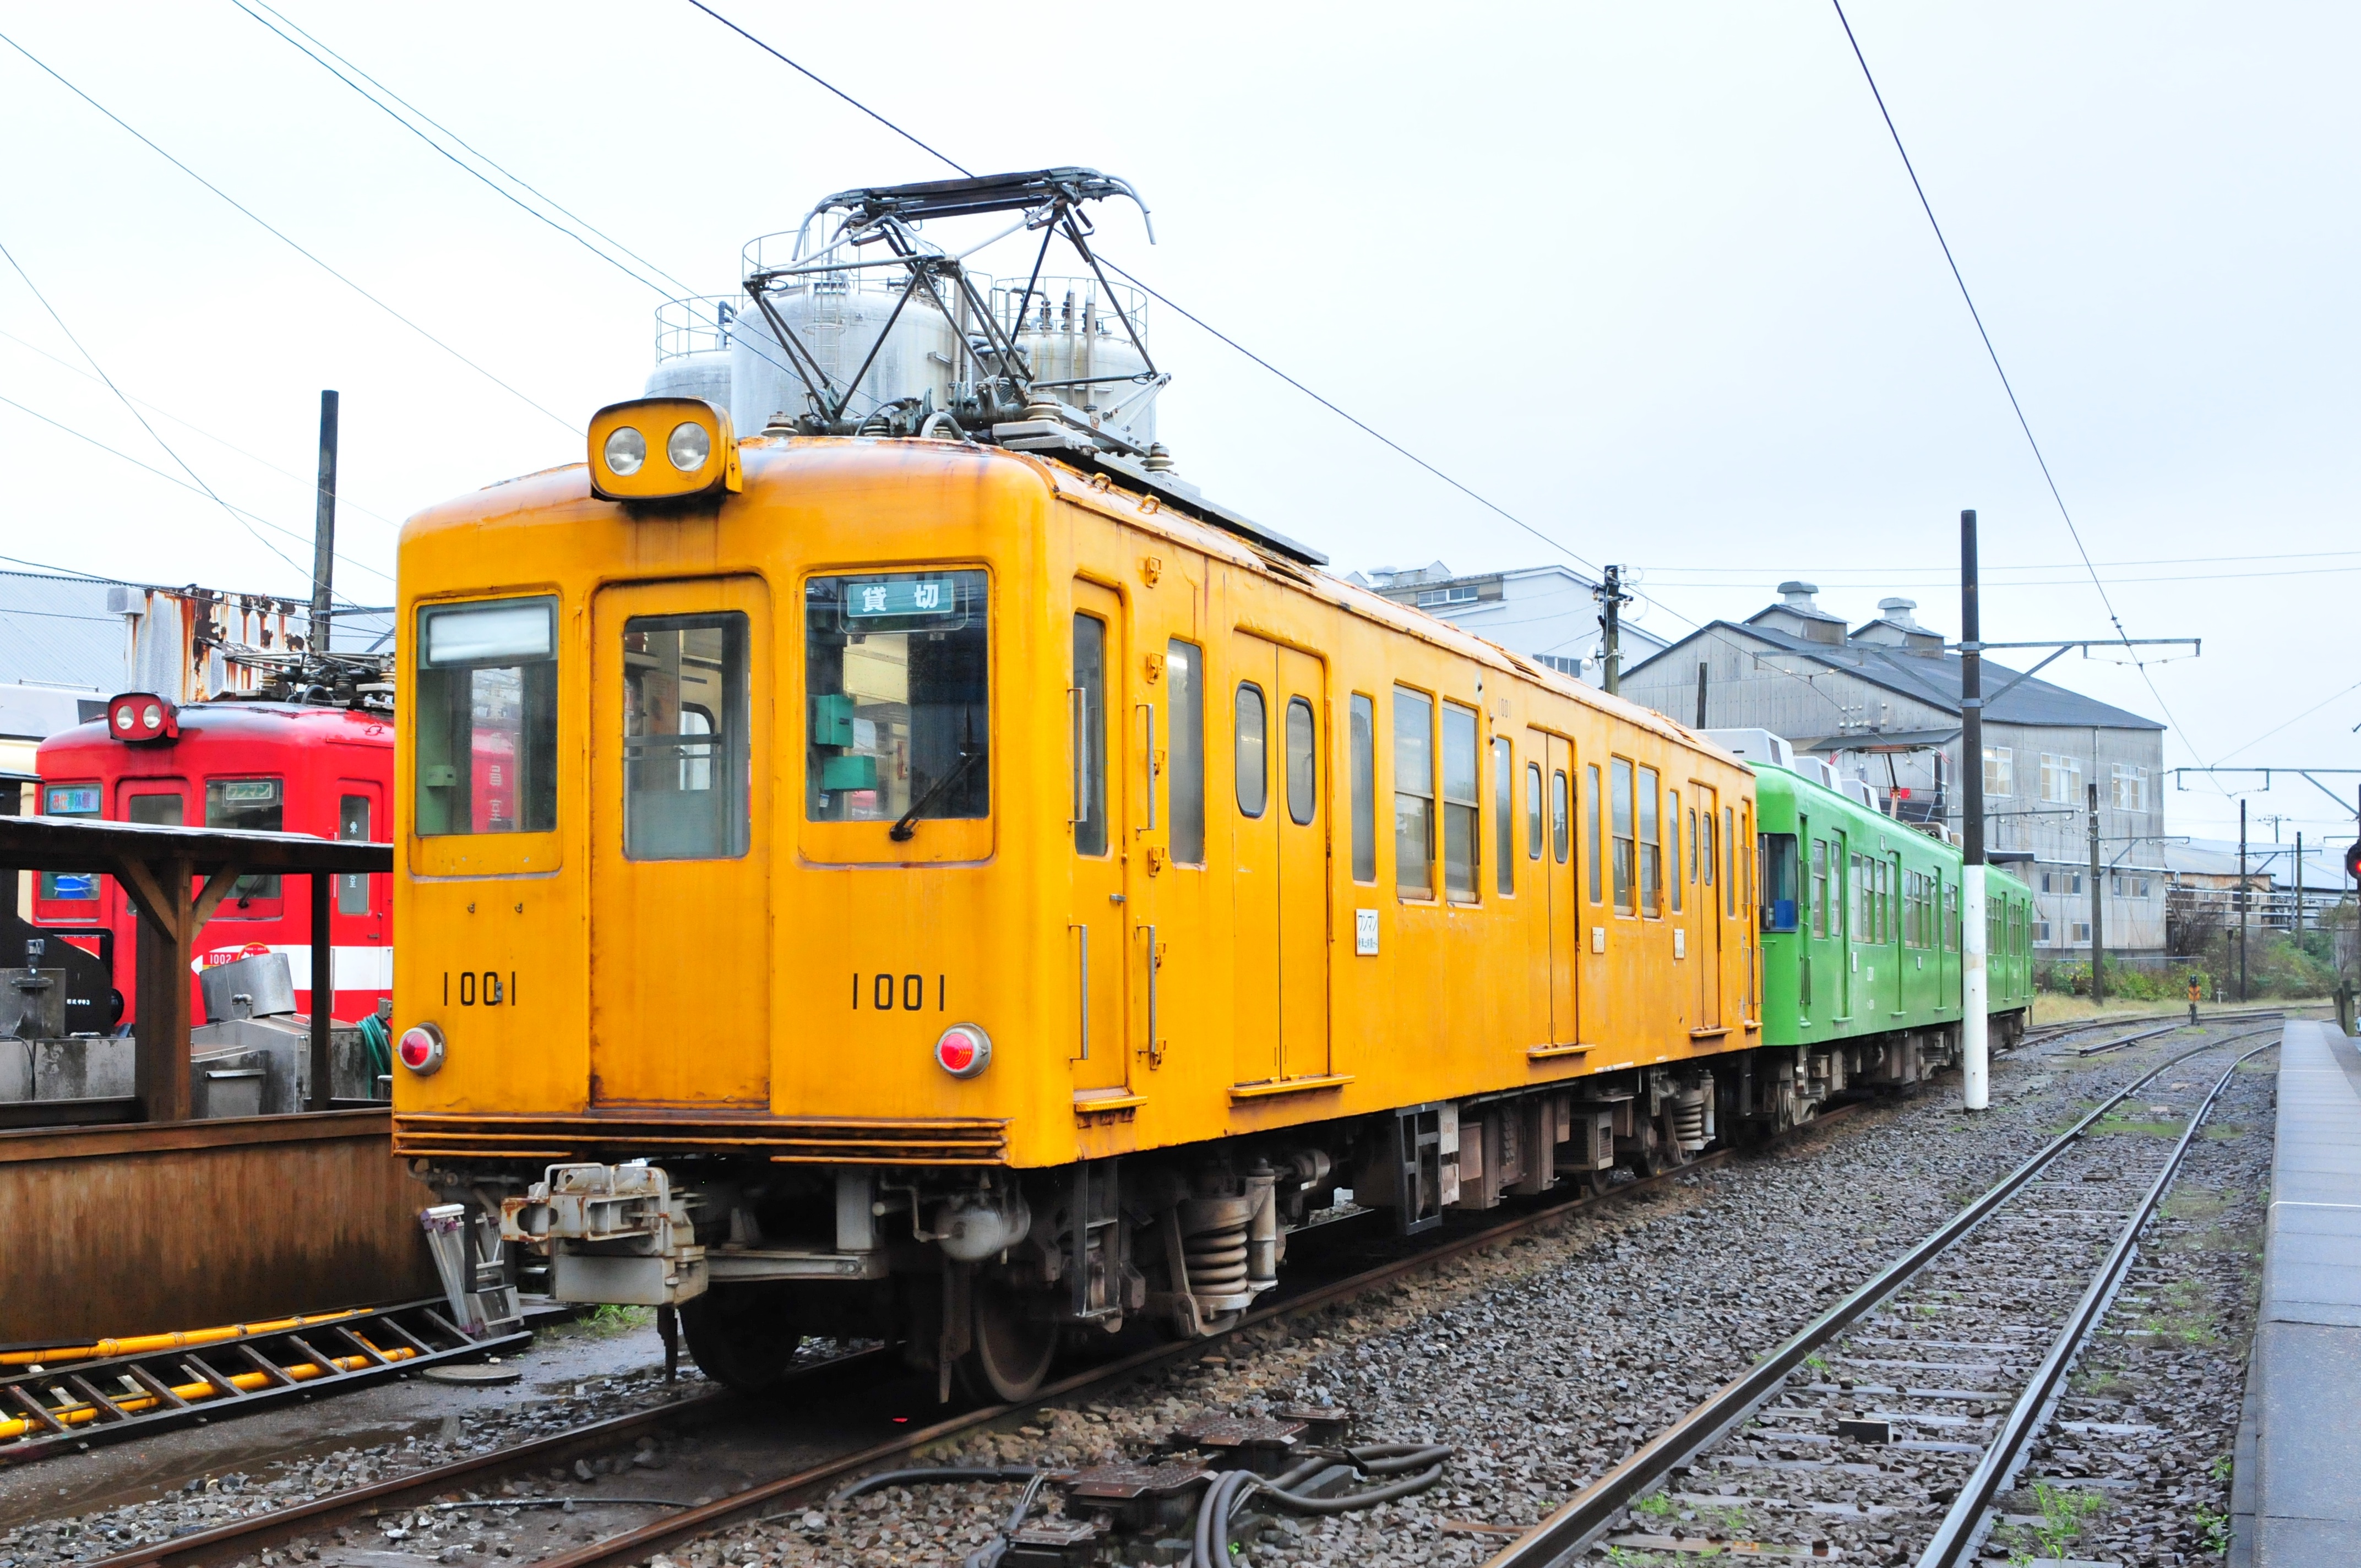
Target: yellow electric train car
[906,885]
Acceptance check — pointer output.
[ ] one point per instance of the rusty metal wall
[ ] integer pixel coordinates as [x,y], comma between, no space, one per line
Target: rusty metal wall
[141,1230]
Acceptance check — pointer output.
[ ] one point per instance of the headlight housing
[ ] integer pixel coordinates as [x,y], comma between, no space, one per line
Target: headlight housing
[700,452]
[420,1048]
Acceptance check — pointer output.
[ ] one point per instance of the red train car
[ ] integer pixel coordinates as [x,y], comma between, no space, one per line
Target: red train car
[276,766]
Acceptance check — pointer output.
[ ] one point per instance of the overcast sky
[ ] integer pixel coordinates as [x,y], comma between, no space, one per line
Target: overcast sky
[1650,278]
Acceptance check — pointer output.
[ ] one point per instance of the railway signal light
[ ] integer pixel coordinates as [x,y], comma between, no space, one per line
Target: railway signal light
[964,1051]
[2352,860]
[421,1048]
[140,719]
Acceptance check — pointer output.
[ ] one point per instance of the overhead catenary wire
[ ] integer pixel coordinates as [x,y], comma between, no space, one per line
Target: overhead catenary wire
[197,480]
[283,237]
[2016,407]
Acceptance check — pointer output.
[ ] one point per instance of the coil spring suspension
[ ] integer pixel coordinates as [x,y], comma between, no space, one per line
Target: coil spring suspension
[1688,1118]
[1214,1244]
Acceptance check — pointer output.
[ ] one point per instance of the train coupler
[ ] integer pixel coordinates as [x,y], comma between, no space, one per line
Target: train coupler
[612,1233]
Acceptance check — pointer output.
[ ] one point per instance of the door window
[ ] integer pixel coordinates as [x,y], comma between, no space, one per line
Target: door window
[685,761]
[352,826]
[1672,834]
[1302,770]
[1534,810]
[1088,712]
[1504,816]
[250,805]
[1819,887]
[1413,795]
[1252,746]
[1561,828]
[1184,669]
[1460,848]
[897,678]
[1591,839]
[488,718]
[1364,789]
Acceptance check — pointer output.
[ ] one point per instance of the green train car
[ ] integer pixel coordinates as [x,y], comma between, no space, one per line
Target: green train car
[1860,947]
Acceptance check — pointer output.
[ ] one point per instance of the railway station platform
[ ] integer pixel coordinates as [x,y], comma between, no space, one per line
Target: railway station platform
[2296,1491]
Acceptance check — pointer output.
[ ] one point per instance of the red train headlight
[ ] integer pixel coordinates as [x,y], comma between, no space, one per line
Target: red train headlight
[420,1048]
[964,1051]
[137,716]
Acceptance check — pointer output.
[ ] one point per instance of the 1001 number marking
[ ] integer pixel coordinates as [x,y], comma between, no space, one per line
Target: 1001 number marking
[887,993]
[483,990]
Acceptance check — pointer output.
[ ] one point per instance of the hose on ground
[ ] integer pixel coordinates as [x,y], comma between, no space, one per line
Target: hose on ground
[932,1475]
[1420,1465]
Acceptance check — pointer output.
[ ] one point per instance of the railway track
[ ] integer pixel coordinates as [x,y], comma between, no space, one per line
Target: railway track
[1922,1389]
[474,1483]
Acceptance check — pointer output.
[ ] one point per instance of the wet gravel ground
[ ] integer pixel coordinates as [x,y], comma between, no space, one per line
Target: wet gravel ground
[1543,1360]
[1548,1359]
[74,1508]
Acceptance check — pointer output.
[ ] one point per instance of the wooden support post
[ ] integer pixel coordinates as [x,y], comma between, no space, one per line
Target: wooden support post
[160,891]
[324,988]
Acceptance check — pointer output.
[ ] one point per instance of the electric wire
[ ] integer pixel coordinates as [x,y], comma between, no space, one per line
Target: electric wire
[309,481]
[2018,409]
[244,518]
[198,482]
[281,236]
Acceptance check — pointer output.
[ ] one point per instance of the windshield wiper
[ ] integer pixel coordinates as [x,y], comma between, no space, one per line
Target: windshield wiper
[907,829]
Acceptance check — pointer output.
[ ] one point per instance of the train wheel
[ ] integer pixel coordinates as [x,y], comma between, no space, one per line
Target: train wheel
[740,1337]
[1010,1349]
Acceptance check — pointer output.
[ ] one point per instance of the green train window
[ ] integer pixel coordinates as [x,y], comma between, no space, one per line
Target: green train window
[1778,882]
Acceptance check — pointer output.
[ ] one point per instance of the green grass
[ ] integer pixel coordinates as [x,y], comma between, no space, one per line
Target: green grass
[2181,1314]
[2116,1123]
[2063,1509]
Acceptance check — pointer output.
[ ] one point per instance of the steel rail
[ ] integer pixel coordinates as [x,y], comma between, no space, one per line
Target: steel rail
[1583,1518]
[241,1538]
[1963,1524]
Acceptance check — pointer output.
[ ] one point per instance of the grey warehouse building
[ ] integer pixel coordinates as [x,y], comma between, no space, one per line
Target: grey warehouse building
[1880,703]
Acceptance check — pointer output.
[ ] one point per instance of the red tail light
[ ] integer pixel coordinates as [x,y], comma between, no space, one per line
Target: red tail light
[421,1048]
[964,1051]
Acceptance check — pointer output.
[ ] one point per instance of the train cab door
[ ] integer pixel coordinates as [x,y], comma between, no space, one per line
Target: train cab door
[1549,796]
[362,958]
[1706,925]
[680,819]
[1099,941]
[1279,893]
[1844,900]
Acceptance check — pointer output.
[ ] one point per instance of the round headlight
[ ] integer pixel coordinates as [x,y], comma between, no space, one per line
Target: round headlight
[627,449]
[964,1051]
[688,446]
[152,717]
[123,716]
[421,1048]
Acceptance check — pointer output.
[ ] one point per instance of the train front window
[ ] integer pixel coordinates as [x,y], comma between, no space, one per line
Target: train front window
[896,674]
[69,800]
[486,704]
[250,805]
[684,759]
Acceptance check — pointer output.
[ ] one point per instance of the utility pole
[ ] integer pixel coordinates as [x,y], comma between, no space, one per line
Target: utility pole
[2241,899]
[324,527]
[2298,887]
[1975,1040]
[1611,661]
[2098,930]
[1702,667]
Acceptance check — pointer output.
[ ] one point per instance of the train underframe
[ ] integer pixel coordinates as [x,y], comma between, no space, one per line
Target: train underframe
[982,1275]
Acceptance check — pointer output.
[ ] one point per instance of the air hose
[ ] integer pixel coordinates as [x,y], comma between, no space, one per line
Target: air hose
[1417,1465]
[379,1045]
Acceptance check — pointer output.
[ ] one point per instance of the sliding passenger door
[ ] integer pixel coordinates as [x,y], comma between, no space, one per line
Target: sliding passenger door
[1098,937]
[1709,923]
[679,846]
[1549,798]
[1279,754]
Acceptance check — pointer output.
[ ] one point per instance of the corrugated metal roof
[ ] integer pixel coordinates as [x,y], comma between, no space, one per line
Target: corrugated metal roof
[1935,680]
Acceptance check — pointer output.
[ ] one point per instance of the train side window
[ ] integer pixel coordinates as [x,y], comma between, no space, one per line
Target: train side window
[1365,788]
[1184,672]
[1778,882]
[1413,795]
[71,800]
[1819,888]
[1532,811]
[251,805]
[1302,762]
[1462,852]
[1504,815]
[1591,840]
[685,737]
[1088,742]
[1672,836]
[487,700]
[1951,918]
[352,826]
[1252,750]
[1562,818]
[897,682]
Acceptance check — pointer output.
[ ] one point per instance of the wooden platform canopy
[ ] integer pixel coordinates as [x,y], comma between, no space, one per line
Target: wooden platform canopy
[158,870]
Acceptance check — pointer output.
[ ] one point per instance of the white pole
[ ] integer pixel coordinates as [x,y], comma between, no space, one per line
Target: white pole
[1975,1053]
